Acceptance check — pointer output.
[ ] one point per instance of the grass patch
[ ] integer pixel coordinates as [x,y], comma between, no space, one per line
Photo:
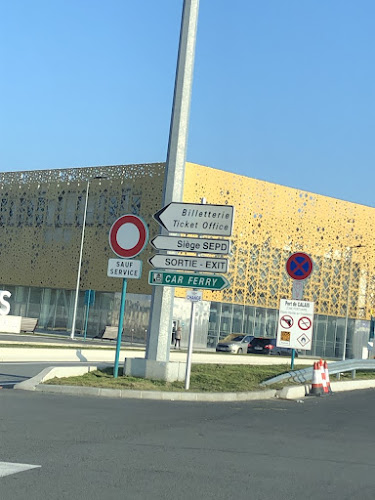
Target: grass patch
[360,375]
[204,378]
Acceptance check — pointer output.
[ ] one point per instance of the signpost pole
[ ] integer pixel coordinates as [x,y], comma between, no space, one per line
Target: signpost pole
[295,295]
[299,266]
[86,319]
[190,347]
[120,326]
[292,360]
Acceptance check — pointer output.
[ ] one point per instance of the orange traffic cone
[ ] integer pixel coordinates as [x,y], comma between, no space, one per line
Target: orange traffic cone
[323,377]
[316,386]
[326,371]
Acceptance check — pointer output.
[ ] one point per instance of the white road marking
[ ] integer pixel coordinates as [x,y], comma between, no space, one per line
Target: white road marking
[8,468]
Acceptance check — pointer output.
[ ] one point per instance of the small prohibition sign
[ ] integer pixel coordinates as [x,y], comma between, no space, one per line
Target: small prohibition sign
[304,323]
[128,236]
[299,266]
[286,321]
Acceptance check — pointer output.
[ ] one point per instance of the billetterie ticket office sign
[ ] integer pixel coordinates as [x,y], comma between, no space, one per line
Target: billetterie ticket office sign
[196,218]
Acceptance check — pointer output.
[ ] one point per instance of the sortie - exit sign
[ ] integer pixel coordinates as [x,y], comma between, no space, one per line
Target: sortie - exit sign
[186,280]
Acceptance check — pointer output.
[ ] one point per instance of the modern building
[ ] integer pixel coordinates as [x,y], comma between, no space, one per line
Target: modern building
[41,226]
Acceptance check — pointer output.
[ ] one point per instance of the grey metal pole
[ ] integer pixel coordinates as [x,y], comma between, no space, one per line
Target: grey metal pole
[347,307]
[80,263]
[190,346]
[348,300]
[191,334]
[158,342]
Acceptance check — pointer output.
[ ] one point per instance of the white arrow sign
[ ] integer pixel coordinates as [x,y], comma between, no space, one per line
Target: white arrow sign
[199,245]
[188,263]
[195,218]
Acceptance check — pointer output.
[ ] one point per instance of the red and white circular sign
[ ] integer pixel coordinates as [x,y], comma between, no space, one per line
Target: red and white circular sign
[128,236]
[304,323]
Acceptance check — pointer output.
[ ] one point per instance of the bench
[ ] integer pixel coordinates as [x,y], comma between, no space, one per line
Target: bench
[110,333]
[28,324]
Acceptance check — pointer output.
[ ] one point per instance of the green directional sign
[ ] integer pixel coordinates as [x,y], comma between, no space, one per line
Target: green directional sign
[188,280]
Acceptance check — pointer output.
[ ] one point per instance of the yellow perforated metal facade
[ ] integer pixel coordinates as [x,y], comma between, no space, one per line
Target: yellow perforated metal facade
[271,223]
[41,216]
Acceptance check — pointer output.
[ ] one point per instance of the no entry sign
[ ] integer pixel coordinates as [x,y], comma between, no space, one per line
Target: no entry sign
[299,266]
[128,236]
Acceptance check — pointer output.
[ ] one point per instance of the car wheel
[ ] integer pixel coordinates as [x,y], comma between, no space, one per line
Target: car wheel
[239,350]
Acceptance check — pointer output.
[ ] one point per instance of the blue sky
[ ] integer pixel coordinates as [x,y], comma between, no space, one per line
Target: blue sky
[283,90]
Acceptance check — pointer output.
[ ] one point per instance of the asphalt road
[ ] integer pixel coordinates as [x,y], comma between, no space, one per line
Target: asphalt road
[96,448]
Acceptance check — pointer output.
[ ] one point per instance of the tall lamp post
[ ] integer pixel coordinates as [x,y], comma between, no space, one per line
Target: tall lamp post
[76,295]
[348,300]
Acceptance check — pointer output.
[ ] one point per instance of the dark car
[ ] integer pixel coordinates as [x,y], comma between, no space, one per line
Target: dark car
[261,345]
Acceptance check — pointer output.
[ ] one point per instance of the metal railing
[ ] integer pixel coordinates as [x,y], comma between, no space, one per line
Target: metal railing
[335,368]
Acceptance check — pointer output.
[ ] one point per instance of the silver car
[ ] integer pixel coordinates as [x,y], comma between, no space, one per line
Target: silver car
[236,345]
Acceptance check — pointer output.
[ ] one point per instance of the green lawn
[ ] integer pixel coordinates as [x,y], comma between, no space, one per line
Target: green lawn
[204,378]
[360,375]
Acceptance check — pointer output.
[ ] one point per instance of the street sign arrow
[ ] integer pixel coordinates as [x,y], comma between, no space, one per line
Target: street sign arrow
[196,218]
[187,280]
[185,244]
[189,263]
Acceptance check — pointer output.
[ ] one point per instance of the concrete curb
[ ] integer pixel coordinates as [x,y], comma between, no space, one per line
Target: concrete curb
[299,392]
[352,385]
[293,392]
[52,372]
[158,395]
[288,393]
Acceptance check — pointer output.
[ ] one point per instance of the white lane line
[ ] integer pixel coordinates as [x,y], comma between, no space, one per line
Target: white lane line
[8,468]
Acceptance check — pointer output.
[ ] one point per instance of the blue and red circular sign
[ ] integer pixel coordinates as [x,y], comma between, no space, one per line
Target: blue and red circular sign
[128,236]
[299,266]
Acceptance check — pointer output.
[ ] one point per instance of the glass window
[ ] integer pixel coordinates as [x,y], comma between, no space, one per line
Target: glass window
[237,319]
[249,320]
[226,320]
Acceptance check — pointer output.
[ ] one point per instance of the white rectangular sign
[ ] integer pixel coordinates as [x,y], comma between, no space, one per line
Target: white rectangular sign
[189,263]
[295,325]
[10,324]
[124,268]
[194,295]
[185,244]
[196,218]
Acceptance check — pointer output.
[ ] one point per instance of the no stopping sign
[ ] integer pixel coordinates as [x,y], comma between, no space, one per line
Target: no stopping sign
[128,236]
[299,266]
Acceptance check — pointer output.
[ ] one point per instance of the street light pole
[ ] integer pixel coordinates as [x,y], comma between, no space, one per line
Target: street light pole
[80,263]
[348,301]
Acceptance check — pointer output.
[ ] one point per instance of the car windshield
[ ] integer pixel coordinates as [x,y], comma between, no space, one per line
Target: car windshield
[238,338]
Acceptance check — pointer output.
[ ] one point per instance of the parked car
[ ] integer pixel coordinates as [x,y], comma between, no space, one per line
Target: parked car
[236,345]
[261,345]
